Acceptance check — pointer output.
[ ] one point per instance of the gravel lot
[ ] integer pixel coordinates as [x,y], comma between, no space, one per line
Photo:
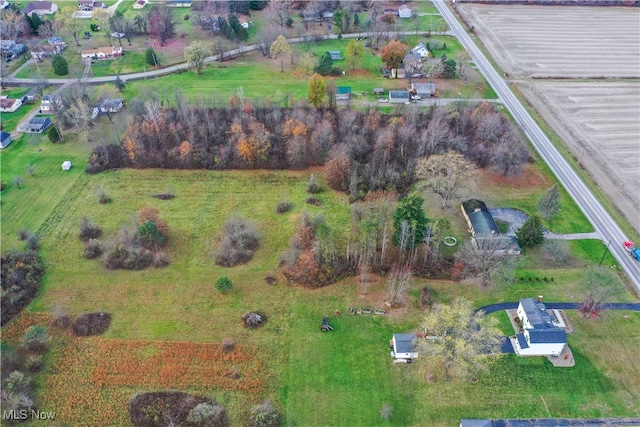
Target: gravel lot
[599,120]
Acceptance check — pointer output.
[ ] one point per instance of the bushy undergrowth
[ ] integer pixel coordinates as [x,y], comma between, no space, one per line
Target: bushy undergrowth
[20,279]
[163,408]
[91,324]
[240,240]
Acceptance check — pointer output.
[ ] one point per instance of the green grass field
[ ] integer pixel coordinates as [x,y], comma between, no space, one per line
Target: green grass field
[340,378]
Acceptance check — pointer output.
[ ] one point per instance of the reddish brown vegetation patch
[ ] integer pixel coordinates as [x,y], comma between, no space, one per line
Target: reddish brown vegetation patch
[530,178]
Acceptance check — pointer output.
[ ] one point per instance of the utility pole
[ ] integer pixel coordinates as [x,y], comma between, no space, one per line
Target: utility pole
[604,254]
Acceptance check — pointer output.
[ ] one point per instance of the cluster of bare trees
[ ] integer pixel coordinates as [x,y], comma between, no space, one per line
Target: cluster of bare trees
[362,151]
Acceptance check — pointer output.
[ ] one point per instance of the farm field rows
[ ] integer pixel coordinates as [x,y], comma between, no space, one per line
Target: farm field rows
[597,119]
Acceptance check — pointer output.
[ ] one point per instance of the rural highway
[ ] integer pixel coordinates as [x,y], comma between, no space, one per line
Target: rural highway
[604,225]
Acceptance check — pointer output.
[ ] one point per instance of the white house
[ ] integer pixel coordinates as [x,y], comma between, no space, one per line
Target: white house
[139,4]
[40,8]
[404,11]
[9,105]
[403,346]
[66,165]
[543,335]
[421,50]
[101,53]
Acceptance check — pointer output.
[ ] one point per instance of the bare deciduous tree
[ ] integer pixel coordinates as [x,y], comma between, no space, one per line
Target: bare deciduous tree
[483,255]
[509,154]
[398,284]
[446,174]
[265,38]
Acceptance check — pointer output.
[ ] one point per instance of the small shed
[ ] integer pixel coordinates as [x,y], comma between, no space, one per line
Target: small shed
[343,93]
[378,91]
[403,346]
[66,165]
[335,55]
[398,96]
[5,139]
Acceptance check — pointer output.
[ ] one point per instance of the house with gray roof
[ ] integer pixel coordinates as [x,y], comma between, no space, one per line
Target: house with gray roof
[40,8]
[398,96]
[484,230]
[424,90]
[5,139]
[542,332]
[403,346]
[465,422]
[38,124]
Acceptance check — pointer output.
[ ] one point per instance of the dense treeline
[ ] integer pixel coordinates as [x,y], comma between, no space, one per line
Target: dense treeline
[21,275]
[363,151]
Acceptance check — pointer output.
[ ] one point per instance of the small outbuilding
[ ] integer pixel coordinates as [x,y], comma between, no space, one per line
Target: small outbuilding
[403,346]
[378,91]
[343,93]
[5,139]
[335,55]
[66,165]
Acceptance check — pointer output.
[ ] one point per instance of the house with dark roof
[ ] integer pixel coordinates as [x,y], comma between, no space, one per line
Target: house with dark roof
[398,96]
[5,139]
[483,229]
[542,332]
[343,93]
[38,124]
[465,422]
[140,4]
[403,346]
[40,8]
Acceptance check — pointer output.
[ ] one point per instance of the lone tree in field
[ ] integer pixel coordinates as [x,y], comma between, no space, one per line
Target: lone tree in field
[317,87]
[446,174]
[462,339]
[598,285]
[195,54]
[410,222]
[325,65]
[354,53]
[393,53]
[531,233]
[279,49]
[60,66]
[549,203]
[224,284]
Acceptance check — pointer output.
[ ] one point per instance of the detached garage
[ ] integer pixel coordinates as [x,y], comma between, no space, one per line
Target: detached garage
[403,346]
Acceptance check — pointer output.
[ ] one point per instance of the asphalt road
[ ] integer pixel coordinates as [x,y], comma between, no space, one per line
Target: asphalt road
[604,225]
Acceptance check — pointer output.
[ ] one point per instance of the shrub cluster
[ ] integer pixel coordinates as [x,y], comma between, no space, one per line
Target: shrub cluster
[240,240]
[283,207]
[92,249]
[89,230]
[265,415]
[163,408]
[254,319]
[20,280]
[128,258]
[91,324]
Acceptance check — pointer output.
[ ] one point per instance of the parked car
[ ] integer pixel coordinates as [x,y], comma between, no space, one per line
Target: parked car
[383,99]
[415,97]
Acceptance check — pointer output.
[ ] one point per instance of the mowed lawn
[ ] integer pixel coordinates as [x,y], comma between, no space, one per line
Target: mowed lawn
[344,377]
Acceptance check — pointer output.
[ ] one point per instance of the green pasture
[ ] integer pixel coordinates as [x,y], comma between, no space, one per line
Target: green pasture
[337,378]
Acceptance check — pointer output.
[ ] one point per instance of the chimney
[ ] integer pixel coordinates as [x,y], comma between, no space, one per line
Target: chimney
[539,298]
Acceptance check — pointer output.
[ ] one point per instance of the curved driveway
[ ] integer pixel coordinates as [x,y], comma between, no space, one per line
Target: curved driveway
[604,225]
[492,308]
